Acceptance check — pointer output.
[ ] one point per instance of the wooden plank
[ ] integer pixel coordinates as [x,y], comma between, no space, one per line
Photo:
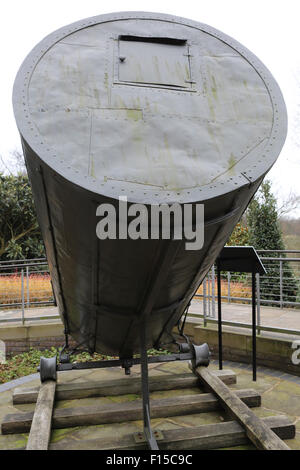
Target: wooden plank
[257,431]
[40,430]
[122,412]
[209,436]
[122,386]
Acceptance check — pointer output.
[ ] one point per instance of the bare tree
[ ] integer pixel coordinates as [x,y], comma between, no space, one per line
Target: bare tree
[289,204]
[14,163]
[19,161]
[5,167]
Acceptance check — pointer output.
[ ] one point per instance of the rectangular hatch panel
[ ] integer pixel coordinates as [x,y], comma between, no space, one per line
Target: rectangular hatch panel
[154,61]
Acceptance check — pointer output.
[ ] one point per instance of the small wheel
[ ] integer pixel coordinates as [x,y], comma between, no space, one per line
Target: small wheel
[48,368]
[201,355]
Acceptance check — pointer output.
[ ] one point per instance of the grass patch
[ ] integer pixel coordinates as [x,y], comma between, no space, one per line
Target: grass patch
[27,363]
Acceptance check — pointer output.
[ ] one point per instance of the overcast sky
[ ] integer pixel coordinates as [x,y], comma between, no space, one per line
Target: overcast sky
[269,28]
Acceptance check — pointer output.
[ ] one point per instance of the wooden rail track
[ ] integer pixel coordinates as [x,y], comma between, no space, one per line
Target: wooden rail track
[242,426]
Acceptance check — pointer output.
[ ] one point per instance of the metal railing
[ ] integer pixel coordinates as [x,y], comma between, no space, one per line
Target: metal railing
[26,283]
[280,288]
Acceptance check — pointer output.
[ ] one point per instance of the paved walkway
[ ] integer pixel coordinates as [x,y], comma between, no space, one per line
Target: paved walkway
[36,313]
[280,395]
[286,318]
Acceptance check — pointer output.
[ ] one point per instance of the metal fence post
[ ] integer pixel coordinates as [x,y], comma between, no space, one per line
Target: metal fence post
[258,302]
[280,283]
[213,310]
[204,301]
[27,284]
[208,293]
[228,286]
[22,294]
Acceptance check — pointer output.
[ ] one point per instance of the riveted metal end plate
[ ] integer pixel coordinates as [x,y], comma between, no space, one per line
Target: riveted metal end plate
[192,94]
[99,128]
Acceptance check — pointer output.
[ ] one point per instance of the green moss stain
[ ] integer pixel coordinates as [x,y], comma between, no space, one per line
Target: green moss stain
[134,114]
[92,167]
[97,97]
[124,398]
[187,72]
[106,80]
[166,142]
[231,163]
[136,134]
[81,81]
[135,103]
[121,102]
[214,88]
[167,157]
[19,443]
[211,106]
[138,73]
[179,72]
[156,67]
[59,434]
[107,88]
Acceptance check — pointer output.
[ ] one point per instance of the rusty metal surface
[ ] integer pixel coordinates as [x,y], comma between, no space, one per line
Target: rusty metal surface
[157,108]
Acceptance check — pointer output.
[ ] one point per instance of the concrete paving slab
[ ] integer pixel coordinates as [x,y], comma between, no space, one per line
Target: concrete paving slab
[288,318]
[280,395]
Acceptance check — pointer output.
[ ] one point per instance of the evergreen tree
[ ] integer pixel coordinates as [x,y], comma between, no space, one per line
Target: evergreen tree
[239,236]
[262,219]
[265,234]
[20,236]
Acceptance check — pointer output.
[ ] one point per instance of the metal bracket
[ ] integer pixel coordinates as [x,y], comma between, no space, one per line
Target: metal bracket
[148,433]
[64,358]
[140,436]
[68,366]
[184,347]
[126,365]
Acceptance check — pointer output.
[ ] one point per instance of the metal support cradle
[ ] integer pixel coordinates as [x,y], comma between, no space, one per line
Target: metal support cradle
[152,444]
[199,355]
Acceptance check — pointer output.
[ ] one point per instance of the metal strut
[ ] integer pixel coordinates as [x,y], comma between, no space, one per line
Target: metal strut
[145,391]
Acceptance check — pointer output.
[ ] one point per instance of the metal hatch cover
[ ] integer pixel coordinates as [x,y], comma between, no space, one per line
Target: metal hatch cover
[159,61]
